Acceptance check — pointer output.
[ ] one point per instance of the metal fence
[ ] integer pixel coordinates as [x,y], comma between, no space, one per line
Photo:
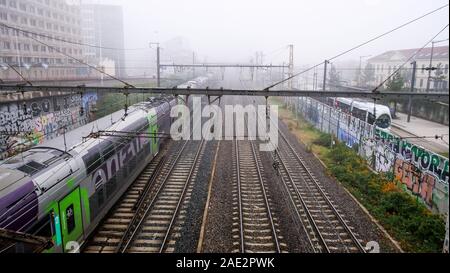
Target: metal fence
[420,171]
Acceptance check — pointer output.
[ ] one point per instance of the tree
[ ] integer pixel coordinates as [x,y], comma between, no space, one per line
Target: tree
[395,83]
[439,76]
[335,78]
[406,75]
[368,75]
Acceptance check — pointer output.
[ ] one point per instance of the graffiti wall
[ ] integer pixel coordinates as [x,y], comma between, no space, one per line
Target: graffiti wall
[419,171]
[28,123]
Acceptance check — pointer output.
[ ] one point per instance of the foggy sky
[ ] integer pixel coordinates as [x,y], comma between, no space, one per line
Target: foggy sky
[232,30]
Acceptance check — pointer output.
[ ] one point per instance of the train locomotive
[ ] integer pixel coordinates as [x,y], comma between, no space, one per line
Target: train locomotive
[63,193]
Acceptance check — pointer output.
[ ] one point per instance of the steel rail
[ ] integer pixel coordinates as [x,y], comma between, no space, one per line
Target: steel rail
[133,227]
[241,224]
[333,208]
[191,171]
[269,213]
[308,213]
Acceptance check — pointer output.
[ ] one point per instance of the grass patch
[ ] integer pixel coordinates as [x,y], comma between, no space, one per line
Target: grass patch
[401,214]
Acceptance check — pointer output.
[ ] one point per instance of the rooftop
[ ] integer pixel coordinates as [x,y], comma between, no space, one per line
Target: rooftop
[439,52]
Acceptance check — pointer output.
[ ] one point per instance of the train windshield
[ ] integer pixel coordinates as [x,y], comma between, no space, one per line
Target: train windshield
[384,121]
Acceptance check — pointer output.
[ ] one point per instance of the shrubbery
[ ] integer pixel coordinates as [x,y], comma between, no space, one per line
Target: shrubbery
[405,217]
[323,140]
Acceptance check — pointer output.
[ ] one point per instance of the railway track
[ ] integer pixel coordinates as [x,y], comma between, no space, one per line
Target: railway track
[254,228]
[151,213]
[109,233]
[324,224]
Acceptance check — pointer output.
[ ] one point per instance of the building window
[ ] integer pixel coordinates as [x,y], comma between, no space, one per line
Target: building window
[4,30]
[14,18]
[13,4]
[6,45]
[421,83]
[446,69]
[423,69]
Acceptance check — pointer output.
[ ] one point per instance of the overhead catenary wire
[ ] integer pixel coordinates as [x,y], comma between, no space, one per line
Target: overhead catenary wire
[20,74]
[409,59]
[75,177]
[31,139]
[67,41]
[359,45]
[113,142]
[83,62]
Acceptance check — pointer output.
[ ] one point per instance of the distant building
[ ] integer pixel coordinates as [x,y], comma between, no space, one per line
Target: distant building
[103,26]
[389,61]
[35,61]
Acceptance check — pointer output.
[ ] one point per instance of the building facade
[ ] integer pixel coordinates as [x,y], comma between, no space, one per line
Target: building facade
[386,63]
[24,52]
[102,25]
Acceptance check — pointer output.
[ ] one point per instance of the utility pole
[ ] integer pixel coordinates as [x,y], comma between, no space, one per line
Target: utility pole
[413,83]
[158,70]
[256,69]
[325,75]
[291,65]
[158,65]
[193,62]
[430,67]
[360,69]
[315,79]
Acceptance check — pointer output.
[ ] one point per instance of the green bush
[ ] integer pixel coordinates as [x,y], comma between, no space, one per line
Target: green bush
[406,218]
[323,140]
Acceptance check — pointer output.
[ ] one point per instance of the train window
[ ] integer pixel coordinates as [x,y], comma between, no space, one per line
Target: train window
[358,113]
[44,227]
[383,121]
[70,219]
[345,107]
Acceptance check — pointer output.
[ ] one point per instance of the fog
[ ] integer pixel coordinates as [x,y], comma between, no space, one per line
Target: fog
[233,30]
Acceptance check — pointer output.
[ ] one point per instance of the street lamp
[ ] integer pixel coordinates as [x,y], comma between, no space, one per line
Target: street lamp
[431,63]
[360,67]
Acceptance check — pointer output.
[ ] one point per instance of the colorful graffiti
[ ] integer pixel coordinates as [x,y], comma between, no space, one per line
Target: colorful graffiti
[419,171]
[23,125]
[422,159]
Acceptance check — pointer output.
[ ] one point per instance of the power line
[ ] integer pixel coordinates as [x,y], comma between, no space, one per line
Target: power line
[358,46]
[408,60]
[20,74]
[82,62]
[66,41]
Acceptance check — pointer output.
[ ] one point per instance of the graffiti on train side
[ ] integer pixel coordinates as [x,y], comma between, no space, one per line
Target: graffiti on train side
[25,124]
